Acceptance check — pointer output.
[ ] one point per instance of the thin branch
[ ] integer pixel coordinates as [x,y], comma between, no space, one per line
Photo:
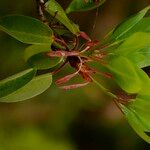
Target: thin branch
[40,8]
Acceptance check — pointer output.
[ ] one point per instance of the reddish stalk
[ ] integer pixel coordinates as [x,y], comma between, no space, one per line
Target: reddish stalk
[74,86]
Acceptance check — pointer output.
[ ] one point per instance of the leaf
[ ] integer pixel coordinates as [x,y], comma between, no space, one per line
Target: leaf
[135,123]
[141,108]
[136,48]
[26,29]
[15,82]
[40,61]
[134,43]
[136,58]
[126,27]
[125,74]
[145,80]
[54,9]
[142,26]
[35,55]
[35,87]
[145,62]
[62,31]
[145,97]
[36,49]
[83,5]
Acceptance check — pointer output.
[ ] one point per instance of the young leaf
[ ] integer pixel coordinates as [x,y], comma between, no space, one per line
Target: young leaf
[132,49]
[145,62]
[141,108]
[142,26]
[135,123]
[35,55]
[136,58]
[126,27]
[83,5]
[15,82]
[54,9]
[26,29]
[35,87]
[145,90]
[125,74]
[134,43]
[137,111]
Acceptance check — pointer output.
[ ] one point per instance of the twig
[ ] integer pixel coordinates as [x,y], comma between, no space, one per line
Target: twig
[40,8]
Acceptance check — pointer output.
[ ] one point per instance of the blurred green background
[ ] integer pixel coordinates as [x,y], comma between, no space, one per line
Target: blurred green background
[81,119]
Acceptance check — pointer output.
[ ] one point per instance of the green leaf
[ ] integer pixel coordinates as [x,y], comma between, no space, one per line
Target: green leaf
[124,28]
[136,58]
[142,26]
[141,108]
[15,82]
[134,43]
[125,74]
[145,80]
[54,9]
[35,87]
[135,123]
[136,49]
[36,57]
[62,31]
[145,62]
[26,29]
[82,5]
[41,62]
[36,49]
[145,97]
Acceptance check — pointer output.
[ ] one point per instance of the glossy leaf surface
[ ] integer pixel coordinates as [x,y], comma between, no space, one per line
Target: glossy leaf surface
[36,56]
[134,43]
[145,89]
[15,82]
[141,109]
[142,26]
[125,74]
[54,9]
[124,28]
[40,61]
[135,123]
[145,61]
[36,49]
[26,29]
[35,87]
